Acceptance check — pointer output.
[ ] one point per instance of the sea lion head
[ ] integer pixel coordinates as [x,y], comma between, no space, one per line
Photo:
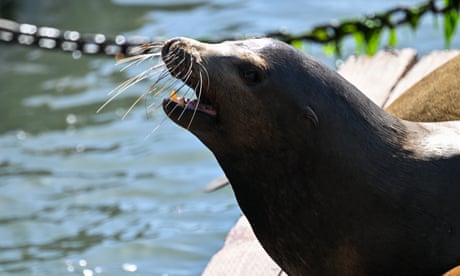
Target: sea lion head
[249,93]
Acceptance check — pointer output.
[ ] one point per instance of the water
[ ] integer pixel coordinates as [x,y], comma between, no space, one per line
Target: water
[87,194]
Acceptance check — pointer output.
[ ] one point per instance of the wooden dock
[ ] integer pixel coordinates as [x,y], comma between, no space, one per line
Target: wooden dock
[383,78]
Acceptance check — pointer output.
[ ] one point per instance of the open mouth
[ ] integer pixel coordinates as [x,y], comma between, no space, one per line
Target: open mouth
[190,105]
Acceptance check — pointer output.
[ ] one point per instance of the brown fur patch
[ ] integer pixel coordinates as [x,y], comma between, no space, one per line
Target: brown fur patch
[346,261]
[435,98]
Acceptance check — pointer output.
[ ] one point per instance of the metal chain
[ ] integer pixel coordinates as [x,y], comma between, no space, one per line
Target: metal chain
[367,30]
[68,41]
[390,19]
[367,27]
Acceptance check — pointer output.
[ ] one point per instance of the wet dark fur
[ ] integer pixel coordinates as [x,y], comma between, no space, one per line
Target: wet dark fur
[359,194]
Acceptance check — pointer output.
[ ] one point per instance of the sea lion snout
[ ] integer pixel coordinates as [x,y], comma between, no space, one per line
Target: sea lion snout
[182,58]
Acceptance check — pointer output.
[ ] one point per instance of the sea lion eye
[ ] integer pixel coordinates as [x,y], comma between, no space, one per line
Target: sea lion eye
[251,76]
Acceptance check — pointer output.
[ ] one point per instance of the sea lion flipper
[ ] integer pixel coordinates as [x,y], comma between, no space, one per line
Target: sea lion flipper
[311,115]
[216,184]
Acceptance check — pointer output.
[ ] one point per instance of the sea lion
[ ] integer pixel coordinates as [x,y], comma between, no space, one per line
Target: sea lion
[330,183]
[435,98]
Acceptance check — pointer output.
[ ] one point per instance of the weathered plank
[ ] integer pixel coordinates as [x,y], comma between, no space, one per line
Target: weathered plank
[242,254]
[377,75]
[421,69]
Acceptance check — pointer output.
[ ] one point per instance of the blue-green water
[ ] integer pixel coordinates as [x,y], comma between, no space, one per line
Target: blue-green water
[88,193]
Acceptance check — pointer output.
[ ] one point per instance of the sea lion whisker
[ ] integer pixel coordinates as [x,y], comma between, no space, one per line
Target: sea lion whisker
[189,71]
[147,92]
[122,88]
[170,60]
[156,127]
[171,57]
[188,74]
[148,73]
[200,84]
[206,74]
[179,64]
[162,75]
[139,77]
[170,86]
[151,89]
[118,91]
[184,73]
[138,99]
[148,46]
[174,109]
[109,100]
[188,90]
[153,107]
[152,46]
[146,49]
[137,58]
[156,90]
[140,60]
[130,82]
[184,107]
[163,88]
[183,83]
[162,121]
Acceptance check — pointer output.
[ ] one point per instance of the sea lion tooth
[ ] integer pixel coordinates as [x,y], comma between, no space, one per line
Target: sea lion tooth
[181,102]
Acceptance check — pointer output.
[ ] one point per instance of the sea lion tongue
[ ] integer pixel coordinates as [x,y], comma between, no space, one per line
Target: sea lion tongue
[331,184]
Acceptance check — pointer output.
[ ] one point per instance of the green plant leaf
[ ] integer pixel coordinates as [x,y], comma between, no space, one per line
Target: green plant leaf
[320,33]
[450,25]
[414,19]
[297,44]
[372,39]
[392,39]
[359,40]
[330,49]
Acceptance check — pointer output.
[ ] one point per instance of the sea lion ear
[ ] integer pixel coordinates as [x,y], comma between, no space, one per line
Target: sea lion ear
[310,114]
